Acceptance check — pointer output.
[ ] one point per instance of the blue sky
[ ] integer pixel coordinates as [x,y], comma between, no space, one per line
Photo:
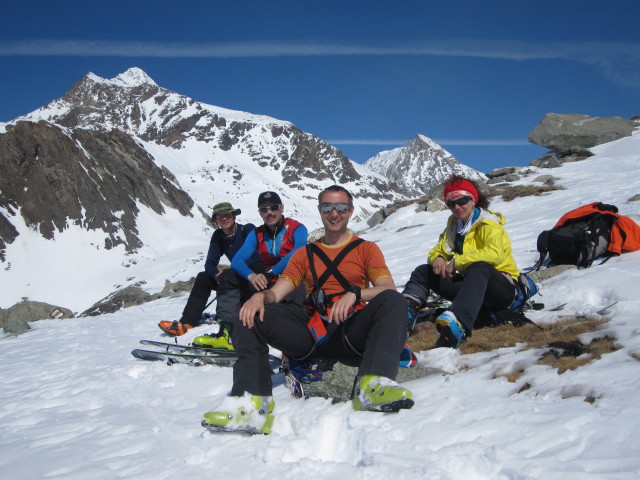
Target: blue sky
[476,77]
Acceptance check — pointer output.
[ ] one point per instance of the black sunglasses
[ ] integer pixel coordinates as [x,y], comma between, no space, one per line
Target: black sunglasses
[461,202]
[340,207]
[271,208]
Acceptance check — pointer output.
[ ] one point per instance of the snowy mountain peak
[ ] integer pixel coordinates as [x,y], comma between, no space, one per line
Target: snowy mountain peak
[426,140]
[419,166]
[134,77]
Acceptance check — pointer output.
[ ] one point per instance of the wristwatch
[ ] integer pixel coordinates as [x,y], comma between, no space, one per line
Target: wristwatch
[357,291]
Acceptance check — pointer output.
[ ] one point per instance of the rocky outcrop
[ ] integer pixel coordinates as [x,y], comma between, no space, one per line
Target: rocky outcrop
[575,134]
[56,177]
[136,295]
[422,204]
[15,320]
[338,379]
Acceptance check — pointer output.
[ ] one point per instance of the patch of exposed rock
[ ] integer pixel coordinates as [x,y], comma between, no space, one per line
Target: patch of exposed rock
[570,136]
[55,178]
[423,204]
[546,273]
[135,295]
[338,379]
[15,320]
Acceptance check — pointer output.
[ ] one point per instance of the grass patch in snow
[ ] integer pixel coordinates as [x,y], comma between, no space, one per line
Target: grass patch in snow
[559,343]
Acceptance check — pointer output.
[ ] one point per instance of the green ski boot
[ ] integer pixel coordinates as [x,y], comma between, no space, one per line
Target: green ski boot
[380,394]
[250,413]
[220,341]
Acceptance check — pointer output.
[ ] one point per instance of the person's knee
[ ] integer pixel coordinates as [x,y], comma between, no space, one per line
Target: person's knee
[388,297]
[228,280]
[479,267]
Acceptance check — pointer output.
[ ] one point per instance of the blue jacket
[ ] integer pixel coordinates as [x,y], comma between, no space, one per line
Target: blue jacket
[219,245]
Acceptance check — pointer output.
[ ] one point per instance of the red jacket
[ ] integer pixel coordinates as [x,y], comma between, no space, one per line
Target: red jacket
[284,237]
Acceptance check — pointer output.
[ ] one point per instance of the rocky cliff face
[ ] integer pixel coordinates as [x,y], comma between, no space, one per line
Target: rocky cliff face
[419,166]
[53,177]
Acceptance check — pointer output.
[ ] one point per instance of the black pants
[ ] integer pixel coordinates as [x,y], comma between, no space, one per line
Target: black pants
[481,287]
[198,298]
[375,336]
[234,290]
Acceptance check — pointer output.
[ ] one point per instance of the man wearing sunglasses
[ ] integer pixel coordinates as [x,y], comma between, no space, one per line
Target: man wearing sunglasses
[472,265]
[226,240]
[353,312]
[255,267]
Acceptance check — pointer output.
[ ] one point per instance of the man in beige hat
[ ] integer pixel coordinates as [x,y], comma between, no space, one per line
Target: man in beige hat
[226,240]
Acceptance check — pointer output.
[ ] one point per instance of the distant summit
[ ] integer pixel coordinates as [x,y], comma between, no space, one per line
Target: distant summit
[134,77]
[419,166]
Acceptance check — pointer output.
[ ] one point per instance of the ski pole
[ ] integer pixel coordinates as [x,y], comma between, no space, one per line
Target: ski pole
[214,299]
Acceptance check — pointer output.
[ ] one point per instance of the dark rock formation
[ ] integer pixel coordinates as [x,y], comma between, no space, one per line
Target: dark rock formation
[93,179]
[127,297]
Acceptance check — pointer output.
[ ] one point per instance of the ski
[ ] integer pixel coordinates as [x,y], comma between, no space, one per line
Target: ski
[602,311]
[225,360]
[177,348]
[175,353]
[605,310]
[558,308]
[239,430]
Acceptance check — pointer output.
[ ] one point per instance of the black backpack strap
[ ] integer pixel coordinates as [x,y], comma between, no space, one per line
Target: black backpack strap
[332,266]
[542,248]
[314,275]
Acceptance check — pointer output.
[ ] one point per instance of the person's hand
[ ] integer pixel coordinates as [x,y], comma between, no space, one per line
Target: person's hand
[253,306]
[340,309]
[450,269]
[258,281]
[439,265]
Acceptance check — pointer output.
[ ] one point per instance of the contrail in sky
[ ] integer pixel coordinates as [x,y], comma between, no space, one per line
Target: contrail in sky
[618,61]
[456,142]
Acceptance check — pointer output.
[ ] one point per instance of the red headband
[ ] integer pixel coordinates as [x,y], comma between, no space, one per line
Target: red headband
[460,188]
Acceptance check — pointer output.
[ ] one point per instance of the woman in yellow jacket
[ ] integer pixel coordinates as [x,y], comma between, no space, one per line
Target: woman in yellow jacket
[472,264]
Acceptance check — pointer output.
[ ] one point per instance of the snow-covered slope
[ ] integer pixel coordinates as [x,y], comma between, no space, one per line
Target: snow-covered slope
[419,166]
[76,405]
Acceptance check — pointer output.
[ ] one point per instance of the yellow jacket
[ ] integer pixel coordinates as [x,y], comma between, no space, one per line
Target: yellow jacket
[486,241]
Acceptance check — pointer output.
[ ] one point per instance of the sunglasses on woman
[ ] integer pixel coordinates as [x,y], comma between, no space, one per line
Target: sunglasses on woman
[340,207]
[460,201]
[271,208]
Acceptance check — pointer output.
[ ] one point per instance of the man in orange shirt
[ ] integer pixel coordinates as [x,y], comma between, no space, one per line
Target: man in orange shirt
[353,311]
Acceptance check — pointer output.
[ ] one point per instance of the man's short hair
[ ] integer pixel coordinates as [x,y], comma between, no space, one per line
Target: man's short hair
[336,188]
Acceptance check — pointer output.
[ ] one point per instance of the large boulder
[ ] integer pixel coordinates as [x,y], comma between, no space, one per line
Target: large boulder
[574,133]
[15,320]
[338,379]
